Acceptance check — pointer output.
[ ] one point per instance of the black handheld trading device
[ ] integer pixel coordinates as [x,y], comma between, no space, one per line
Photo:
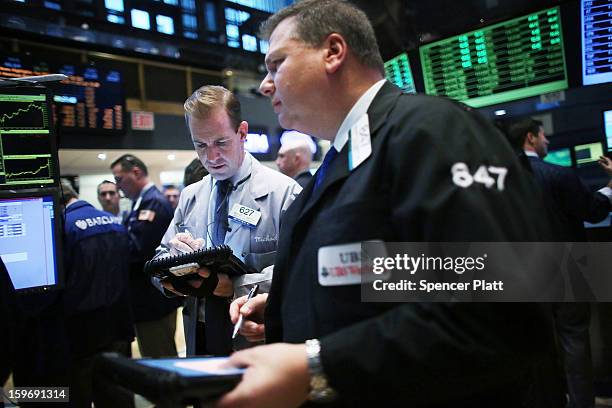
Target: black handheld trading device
[219,259]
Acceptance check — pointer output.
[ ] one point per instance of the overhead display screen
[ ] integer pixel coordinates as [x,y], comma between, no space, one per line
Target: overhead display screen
[28,154]
[608,128]
[397,70]
[90,99]
[506,61]
[596,26]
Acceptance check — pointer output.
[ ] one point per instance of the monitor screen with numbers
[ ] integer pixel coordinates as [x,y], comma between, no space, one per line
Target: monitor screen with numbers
[27,139]
[608,128]
[30,233]
[397,70]
[596,29]
[511,60]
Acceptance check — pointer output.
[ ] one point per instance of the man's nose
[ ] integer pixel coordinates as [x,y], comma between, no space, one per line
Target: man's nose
[266,87]
[212,153]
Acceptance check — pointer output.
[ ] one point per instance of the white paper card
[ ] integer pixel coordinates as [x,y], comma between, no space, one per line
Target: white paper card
[245,215]
[360,142]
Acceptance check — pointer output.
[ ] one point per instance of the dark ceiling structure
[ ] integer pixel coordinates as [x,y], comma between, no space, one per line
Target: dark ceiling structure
[405,24]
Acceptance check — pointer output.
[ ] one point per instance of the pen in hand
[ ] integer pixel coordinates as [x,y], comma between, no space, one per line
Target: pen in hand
[250,296]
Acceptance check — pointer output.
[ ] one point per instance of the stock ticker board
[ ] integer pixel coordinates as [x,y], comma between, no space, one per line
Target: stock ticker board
[90,100]
[397,70]
[596,20]
[27,151]
[511,60]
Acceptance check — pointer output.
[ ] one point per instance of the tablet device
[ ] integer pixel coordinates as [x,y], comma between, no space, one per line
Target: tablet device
[172,380]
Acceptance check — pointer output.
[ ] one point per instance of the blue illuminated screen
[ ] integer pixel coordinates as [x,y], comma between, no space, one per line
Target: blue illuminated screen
[28,241]
[596,27]
[608,128]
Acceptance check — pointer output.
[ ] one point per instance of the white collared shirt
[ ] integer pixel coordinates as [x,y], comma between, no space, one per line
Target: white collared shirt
[236,196]
[142,193]
[359,109]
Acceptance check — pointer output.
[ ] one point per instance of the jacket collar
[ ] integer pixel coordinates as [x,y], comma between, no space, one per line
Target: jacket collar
[259,185]
[378,112]
[77,204]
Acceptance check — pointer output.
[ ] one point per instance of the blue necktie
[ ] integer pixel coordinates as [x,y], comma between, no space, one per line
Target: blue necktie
[331,155]
[220,224]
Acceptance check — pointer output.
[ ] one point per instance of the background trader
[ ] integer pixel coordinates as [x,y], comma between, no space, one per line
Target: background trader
[154,314]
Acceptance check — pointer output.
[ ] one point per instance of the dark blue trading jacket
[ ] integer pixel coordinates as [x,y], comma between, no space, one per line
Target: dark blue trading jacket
[146,226]
[568,200]
[96,296]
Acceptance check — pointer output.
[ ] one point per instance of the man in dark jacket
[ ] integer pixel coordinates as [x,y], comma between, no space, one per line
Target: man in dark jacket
[9,317]
[154,314]
[98,314]
[569,203]
[402,168]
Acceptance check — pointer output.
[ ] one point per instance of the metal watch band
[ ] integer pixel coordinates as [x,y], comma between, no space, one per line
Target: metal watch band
[320,391]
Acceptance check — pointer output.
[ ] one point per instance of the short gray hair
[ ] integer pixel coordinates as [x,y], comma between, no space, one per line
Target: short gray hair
[316,19]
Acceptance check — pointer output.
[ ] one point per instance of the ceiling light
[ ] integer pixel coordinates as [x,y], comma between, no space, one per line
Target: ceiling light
[500,112]
[102,156]
[172,157]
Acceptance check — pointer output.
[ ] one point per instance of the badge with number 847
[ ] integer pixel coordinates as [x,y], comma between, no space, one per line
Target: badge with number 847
[487,175]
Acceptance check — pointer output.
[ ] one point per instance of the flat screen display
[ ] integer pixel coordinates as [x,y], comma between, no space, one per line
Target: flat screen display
[90,99]
[588,153]
[397,71]
[29,232]
[28,149]
[596,30]
[608,128]
[561,157]
[514,59]
[257,143]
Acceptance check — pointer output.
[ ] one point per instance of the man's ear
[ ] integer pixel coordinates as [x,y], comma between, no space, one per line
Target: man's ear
[531,138]
[336,52]
[243,130]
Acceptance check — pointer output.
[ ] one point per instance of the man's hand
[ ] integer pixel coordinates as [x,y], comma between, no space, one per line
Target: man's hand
[253,311]
[184,242]
[224,288]
[606,164]
[276,376]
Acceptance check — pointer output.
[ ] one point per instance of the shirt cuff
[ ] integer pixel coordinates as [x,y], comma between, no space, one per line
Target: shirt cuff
[607,191]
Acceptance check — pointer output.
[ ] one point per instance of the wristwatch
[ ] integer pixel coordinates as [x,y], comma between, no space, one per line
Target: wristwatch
[320,391]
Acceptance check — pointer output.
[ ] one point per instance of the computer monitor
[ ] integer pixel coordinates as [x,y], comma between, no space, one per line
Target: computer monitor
[257,143]
[28,146]
[587,153]
[561,157]
[608,128]
[397,70]
[30,233]
[514,59]
[596,42]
